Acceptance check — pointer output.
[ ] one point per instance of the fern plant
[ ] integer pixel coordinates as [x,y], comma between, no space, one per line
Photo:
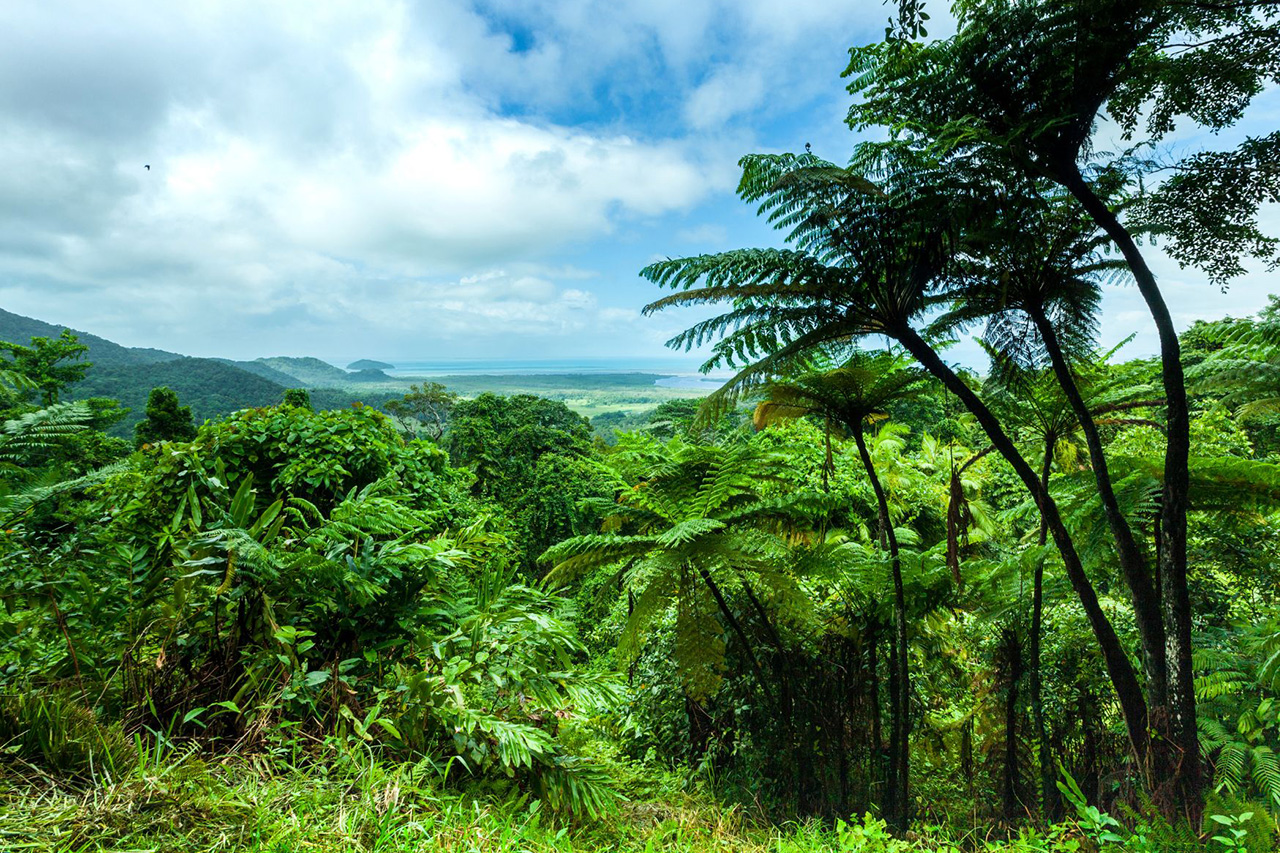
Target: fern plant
[691,523]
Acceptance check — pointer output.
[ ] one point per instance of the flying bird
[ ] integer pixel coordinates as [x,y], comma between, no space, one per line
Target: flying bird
[808,149]
[147,167]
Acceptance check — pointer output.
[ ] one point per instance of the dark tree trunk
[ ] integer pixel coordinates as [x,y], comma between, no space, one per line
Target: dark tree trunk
[1013,665]
[1120,670]
[736,627]
[846,705]
[1133,564]
[1177,768]
[1048,788]
[699,726]
[892,793]
[786,696]
[873,687]
[901,746]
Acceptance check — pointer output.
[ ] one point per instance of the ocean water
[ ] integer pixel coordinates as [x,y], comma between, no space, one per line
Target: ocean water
[682,373]
[534,367]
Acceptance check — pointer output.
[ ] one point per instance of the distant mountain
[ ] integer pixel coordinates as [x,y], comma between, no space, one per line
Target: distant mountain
[311,372]
[368,375]
[211,387]
[370,364]
[17,329]
[258,368]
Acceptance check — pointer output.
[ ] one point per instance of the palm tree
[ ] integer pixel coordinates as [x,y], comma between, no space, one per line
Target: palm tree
[869,261]
[1034,279]
[852,395]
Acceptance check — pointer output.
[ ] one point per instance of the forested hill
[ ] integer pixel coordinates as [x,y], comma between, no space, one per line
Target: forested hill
[310,372]
[260,368]
[213,387]
[103,353]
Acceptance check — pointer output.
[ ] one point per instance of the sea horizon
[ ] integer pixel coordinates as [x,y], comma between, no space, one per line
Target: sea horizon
[541,366]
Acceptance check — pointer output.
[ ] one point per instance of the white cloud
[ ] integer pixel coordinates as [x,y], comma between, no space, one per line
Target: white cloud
[398,176]
[303,157]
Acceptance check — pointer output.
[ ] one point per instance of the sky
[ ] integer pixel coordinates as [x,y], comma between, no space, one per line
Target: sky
[418,180]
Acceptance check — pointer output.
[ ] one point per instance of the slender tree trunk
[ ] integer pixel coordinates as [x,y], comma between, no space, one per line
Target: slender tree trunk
[1013,663]
[785,693]
[902,691]
[893,794]
[1133,564]
[1181,774]
[736,627]
[1120,670]
[877,733]
[846,704]
[828,464]
[1048,788]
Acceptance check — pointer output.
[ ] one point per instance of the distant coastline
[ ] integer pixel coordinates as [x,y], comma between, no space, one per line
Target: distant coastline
[677,374]
[534,367]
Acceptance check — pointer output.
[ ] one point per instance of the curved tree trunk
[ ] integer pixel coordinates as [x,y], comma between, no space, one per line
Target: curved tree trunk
[1120,670]
[902,686]
[1178,768]
[1133,564]
[736,627]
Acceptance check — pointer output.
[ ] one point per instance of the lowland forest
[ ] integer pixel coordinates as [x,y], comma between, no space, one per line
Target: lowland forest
[865,596]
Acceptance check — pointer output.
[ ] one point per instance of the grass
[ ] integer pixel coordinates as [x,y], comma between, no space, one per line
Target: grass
[185,803]
[71,785]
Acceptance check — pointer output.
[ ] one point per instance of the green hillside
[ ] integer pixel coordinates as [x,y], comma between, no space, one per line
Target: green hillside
[311,372]
[17,329]
[258,368]
[211,387]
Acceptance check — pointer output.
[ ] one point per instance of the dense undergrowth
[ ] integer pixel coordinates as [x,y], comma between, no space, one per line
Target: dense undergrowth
[861,599]
[168,798]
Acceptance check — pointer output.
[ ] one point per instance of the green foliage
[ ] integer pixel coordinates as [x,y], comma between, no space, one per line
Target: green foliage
[326,609]
[297,397]
[165,420]
[50,365]
[424,408]
[530,456]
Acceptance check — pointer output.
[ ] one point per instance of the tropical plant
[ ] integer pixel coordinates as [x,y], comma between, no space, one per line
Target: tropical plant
[871,260]
[693,517]
[165,420]
[1021,87]
[853,394]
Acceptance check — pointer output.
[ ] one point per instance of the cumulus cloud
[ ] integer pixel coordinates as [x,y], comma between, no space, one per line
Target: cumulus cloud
[397,178]
[311,159]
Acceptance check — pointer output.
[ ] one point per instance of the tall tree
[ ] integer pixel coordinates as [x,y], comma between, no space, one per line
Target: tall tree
[1025,83]
[424,407]
[49,365]
[165,419]
[869,261]
[860,391]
